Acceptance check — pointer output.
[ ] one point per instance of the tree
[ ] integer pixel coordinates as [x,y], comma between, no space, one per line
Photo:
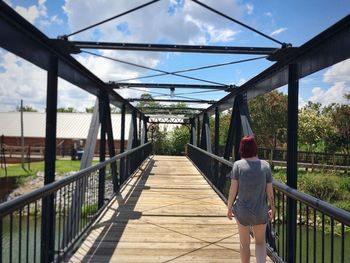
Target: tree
[26,109]
[90,110]
[142,104]
[313,128]
[269,118]
[179,138]
[68,109]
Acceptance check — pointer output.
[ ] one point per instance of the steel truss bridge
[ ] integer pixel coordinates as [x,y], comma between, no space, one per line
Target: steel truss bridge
[57,221]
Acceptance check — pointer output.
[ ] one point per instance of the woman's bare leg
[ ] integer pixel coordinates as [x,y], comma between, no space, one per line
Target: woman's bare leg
[260,243]
[244,239]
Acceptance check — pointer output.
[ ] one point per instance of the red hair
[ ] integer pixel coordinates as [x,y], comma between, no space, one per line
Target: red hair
[248,147]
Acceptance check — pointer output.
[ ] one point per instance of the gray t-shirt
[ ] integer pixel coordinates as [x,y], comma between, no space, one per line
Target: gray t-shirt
[250,207]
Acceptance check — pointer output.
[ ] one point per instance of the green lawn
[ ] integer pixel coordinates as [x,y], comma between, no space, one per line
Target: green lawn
[62,167]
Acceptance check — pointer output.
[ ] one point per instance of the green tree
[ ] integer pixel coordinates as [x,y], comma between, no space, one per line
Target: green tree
[68,109]
[180,136]
[269,118]
[142,104]
[313,128]
[26,108]
[90,109]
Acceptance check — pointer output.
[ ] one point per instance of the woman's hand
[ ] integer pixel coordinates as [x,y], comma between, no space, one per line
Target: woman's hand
[230,213]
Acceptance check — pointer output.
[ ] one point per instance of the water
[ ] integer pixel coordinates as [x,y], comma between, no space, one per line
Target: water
[318,253]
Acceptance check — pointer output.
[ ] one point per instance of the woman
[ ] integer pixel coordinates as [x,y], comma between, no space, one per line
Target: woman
[252,179]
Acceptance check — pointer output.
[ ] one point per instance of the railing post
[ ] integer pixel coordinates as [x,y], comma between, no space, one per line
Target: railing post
[102,171]
[292,154]
[48,212]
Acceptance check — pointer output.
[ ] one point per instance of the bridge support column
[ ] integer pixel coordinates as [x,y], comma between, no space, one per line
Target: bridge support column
[292,154]
[205,138]
[122,145]
[216,143]
[102,171]
[198,130]
[48,210]
[193,134]
[111,147]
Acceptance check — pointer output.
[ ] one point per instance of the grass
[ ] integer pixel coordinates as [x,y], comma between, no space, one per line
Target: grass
[62,167]
[332,187]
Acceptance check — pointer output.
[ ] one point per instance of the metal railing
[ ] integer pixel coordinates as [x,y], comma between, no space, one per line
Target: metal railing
[323,231]
[76,206]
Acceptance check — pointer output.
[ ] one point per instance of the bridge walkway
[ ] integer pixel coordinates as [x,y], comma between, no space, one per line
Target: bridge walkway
[166,213]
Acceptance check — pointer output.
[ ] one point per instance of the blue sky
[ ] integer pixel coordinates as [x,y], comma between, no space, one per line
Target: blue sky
[177,22]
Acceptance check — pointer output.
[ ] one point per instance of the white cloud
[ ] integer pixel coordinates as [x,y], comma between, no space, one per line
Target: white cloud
[301,102]
[249,8]
[338,72]
[278,31]
[335,94]
[31,13]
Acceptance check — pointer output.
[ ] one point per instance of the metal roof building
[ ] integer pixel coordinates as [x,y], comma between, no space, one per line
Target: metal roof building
[69,125]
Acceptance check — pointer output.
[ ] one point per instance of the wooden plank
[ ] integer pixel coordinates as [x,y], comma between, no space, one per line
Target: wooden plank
[167,213]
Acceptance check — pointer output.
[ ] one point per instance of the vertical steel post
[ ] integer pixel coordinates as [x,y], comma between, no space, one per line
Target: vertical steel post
[238,125]
[198,131]
[145,120]
[122,144]
[292,154]
[102,171]
[48,212]
[111,147]
[216,143]
[203,144]
[192,131]
[134,121]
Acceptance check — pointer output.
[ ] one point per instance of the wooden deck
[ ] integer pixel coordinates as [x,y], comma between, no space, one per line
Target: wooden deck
[166,213]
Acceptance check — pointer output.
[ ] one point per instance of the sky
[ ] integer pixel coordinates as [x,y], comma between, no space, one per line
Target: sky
[172,22]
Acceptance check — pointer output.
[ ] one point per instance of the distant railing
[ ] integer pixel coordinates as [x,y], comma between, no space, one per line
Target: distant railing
[21,219]
[323,231]
[316,158]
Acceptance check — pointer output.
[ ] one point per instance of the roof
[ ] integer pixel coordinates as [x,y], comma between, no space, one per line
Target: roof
[69,125]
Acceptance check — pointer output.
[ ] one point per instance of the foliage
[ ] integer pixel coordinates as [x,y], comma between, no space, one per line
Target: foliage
[143,104]
[313,127]
[328,186]
[26,109]
[90,110]
[68,109]
[179,138]
[269,118]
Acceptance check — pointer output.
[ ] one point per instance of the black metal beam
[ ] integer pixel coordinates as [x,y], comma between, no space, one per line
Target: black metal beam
[170,109]
[48,212]
[102,171]
[165,100]
[29,43]
[122,145]
[326,49]
[292,159]
[174,48]
[166,86]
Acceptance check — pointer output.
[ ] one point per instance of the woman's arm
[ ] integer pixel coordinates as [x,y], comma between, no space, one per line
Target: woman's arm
[232,197]
[271,200]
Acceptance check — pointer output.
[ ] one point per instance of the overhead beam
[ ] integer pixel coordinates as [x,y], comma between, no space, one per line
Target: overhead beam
[117,85]
[167,112]
[164,122]
[326,49]
[24,40]
[167,108]
[165,100]
[174,48]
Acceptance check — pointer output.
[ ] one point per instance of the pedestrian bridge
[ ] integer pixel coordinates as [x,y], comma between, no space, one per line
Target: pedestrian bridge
[136,207]
[167,212]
